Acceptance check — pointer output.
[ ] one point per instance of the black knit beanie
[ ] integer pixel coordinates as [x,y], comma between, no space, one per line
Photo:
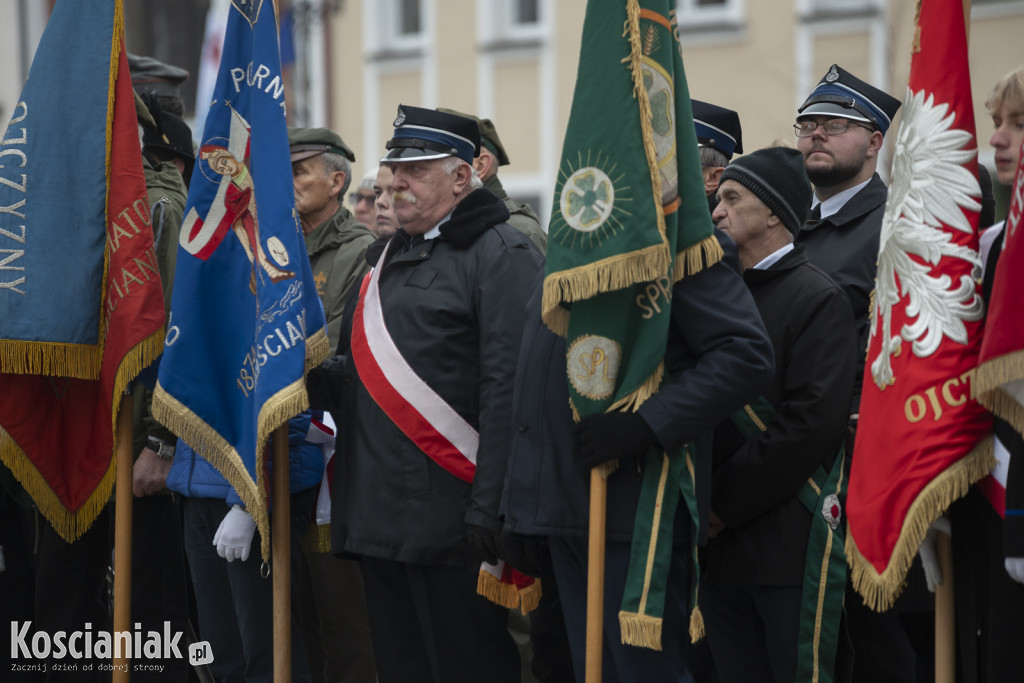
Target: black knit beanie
[776,176]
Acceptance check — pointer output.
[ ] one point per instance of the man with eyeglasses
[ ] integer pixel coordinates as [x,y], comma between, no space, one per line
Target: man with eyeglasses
[840,130]
[362,199]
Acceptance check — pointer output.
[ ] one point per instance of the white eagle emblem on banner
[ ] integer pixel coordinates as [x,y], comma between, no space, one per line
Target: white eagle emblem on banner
[930,190]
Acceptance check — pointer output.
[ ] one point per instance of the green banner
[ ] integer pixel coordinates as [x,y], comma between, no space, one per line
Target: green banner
[630,216]
[629,220]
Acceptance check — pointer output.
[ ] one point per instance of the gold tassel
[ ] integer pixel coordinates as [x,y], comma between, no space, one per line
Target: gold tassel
[881,590]
[504,594]
[317,538]
[696,625]
[640,630]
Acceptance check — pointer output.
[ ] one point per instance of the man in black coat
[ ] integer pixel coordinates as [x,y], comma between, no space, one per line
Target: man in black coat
[754,572]
[422,395]
[718,357]
[840,130]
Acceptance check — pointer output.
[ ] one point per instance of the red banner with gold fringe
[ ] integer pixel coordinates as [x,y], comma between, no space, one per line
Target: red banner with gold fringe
[921,438]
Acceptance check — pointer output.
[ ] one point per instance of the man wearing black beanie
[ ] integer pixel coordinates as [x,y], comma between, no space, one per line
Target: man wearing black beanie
[778,475]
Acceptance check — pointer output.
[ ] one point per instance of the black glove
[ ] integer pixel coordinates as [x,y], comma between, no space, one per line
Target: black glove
[600,438]
[484,542]
[525,553]
[323,383]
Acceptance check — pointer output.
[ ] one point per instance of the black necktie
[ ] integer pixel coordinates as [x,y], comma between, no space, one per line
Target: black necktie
[814,216]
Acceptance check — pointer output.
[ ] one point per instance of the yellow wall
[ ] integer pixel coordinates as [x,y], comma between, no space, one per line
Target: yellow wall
[517,112]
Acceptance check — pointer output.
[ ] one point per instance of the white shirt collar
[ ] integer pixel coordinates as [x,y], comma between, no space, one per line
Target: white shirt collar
[837,201]
[769,260]
[436,230]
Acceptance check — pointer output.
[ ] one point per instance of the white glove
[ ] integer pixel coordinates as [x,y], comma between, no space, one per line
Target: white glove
[1015,568]
[929,554]
[234,535]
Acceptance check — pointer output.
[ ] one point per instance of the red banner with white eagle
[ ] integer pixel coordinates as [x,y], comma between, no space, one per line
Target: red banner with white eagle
[921,441]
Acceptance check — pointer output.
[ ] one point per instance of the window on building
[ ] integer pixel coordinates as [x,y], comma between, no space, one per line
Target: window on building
[525,12]
[513,21]
[825,8]
[400,25]
[703,13]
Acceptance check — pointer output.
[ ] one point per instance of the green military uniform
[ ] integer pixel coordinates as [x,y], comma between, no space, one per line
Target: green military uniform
[523,218]
[337,252]
[166,195]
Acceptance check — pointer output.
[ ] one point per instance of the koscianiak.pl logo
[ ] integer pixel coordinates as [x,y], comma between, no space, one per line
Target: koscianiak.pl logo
[65,650]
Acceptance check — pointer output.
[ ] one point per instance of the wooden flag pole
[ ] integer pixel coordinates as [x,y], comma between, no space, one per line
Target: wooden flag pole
[595,575]
[945,614]
[280,550]
[123,533]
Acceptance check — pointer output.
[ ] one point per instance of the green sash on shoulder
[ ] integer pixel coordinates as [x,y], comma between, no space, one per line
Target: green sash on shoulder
[824,584]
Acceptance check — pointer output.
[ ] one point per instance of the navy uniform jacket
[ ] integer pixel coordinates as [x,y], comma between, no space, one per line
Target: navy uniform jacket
[845,246]
[718,358]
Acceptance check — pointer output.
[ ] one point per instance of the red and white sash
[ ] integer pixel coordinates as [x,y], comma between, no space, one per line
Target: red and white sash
[405,398]
[429,422]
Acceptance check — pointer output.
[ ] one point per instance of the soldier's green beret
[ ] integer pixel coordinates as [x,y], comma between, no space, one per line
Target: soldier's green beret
[488,135]
[309,142]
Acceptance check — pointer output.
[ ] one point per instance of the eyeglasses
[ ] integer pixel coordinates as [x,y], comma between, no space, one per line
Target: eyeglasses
[805,129]
[355,198]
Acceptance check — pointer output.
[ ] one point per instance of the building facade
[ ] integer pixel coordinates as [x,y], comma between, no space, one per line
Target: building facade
[351,62]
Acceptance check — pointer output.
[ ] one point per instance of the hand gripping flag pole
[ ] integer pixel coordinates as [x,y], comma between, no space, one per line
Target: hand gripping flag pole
[246,322]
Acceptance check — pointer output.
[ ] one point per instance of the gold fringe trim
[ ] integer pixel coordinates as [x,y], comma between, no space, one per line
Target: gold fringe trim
[697,257]
[71,524]
[205,440]
[633,400]
[607,468]
[22,357]
[529,597]
[881,590]
[988,381]
[318,348]
[696,625]
[504,594]
[317,538]
[640,630]
[606,275]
